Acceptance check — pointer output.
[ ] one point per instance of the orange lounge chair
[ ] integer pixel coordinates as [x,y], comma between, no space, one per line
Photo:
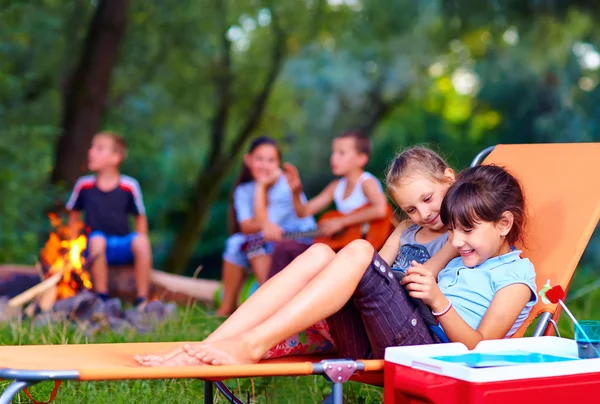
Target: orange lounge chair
[563,191]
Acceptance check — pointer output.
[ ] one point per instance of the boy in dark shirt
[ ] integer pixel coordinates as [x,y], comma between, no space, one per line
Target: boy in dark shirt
[107,198]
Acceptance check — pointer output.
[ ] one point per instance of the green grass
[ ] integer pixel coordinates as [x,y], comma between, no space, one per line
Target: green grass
[191,323]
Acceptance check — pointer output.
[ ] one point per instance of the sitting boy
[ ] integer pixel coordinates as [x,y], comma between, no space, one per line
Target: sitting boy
[107,199]
[355,189]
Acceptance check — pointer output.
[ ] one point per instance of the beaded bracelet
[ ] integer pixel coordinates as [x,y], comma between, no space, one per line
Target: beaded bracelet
[441,313]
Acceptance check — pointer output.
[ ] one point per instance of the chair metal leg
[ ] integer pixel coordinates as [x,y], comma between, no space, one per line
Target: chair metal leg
[541,326]
[555,327]
[12,390]
[337,393]
[208,392]
[228,394]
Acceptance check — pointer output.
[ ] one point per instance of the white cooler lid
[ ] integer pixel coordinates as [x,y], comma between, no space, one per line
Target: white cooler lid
[421,357]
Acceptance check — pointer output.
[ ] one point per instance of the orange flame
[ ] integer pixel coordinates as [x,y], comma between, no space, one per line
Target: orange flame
[64,254]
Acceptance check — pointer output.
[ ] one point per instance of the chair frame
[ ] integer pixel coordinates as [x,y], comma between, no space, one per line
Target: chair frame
[337,394]
[338,371]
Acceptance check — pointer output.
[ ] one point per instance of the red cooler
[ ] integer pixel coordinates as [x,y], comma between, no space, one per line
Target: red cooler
[521,370]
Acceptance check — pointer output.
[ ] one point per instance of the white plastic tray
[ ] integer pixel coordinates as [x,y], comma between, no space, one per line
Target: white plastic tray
[420,357]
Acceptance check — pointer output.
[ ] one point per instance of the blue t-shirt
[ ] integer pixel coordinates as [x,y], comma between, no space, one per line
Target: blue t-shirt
[471,290]
[280,205]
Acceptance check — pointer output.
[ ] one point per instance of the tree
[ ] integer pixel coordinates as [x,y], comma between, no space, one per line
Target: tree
[220,157]
[86,89]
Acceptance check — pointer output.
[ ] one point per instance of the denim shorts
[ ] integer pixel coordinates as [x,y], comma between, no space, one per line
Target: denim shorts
[118,248]
[233,250]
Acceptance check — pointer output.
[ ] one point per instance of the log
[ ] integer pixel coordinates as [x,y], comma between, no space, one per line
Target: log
[46,299]
[7,271]
[35,291]
[167,287]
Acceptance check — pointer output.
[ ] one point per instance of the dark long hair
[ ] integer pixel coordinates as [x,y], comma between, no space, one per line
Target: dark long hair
[484,193]
[246,176]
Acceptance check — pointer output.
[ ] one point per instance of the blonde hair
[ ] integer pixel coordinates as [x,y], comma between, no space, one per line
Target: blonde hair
[119,142]
[416,159]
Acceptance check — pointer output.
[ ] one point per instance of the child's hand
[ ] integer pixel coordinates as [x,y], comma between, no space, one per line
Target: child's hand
[272,232]
[269,179]
[293,177]
[330,227]
[421,284]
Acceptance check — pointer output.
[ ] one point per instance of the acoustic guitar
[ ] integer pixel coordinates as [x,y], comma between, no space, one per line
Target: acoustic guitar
[375,232]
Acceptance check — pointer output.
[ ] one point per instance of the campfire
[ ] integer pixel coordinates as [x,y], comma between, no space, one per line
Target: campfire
[64,292]
[63,255]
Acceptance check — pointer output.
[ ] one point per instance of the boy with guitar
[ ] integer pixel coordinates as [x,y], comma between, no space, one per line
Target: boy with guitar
[357,195]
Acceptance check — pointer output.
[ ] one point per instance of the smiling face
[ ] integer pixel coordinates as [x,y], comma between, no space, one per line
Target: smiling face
[481,242]
[345,156]
[420,197]
[263,161]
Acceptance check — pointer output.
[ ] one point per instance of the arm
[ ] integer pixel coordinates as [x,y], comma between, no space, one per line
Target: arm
[260,220]
[243,203]
[440,259]
[260,199]
[250,226]
[260,204]
[376,209]
[390,249]
[316,204]
[141,224]
[503,312]
[504,309]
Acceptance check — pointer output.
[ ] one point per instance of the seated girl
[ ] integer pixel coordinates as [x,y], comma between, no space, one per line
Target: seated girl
[486,293]
[262,202]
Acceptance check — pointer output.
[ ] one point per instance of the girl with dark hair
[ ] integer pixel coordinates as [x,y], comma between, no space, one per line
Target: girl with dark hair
[261,203]
[486,292]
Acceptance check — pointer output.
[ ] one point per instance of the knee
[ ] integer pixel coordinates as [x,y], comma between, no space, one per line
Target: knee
[359,250]
[321,251]
[97,245]
[140,244]
[234,242]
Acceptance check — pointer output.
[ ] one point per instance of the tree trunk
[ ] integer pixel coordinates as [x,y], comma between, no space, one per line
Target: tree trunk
[205,192]
[219,160]
[84,96]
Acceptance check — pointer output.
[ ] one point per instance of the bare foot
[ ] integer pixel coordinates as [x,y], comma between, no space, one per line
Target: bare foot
[229,351]
[177,357]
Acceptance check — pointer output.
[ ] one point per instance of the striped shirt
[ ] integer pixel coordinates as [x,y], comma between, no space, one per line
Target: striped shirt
[107,211]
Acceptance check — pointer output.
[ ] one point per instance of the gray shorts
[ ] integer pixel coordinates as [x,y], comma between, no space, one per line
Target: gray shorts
[380,314]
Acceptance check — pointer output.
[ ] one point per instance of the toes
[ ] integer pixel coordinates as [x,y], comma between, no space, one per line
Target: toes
[188,349]
[199,355]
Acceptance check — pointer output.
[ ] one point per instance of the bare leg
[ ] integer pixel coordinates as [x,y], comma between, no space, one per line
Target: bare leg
[233,276]
[276,291]
[284,253]
[142,264]
[327,293]
[264,302]
[99,267]
[260,266]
